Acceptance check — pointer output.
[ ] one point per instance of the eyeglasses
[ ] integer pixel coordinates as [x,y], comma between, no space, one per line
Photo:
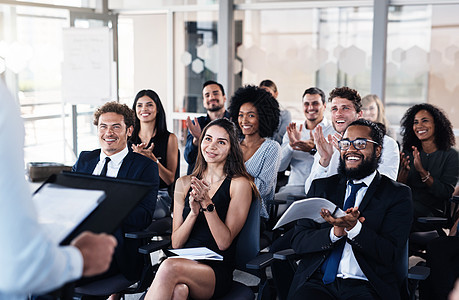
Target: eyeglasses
[359,144]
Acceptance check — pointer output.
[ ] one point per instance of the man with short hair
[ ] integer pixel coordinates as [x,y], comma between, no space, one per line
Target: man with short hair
[346,107]
[214,100]
[115,123]
[30,263]
[355,256]
[298,147]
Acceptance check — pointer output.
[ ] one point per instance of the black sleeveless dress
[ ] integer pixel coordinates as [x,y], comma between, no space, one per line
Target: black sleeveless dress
[201,236]
[160,150]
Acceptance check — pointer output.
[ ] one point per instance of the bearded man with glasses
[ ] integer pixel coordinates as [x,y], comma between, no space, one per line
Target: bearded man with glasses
[346,107]
[355,256]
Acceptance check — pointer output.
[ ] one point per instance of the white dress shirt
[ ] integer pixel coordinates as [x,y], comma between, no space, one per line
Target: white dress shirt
[390,159]
[348,266]
[29,261]
[300,162]
[113,165]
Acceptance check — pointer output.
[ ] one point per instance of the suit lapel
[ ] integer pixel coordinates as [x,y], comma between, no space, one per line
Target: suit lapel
[370,191]
[339,192]
[92,161]
[125,165]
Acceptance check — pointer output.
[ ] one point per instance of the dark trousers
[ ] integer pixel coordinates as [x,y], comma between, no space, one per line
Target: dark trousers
[443,260]
[340,289]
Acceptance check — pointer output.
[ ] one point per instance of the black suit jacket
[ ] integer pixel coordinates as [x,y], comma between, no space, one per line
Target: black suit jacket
[134,167]
[378,248]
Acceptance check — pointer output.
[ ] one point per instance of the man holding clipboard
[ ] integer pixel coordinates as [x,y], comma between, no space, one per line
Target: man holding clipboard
[30,262]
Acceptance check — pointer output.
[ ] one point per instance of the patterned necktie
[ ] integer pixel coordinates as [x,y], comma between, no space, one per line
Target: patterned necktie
[330,265]
[104,169]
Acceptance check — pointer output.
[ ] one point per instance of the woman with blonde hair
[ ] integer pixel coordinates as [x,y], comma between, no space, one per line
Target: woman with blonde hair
[373,110]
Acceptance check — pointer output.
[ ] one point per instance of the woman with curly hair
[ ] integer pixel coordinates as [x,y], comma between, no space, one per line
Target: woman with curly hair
[152,139]
[429,164]
[210,208]
[256,115]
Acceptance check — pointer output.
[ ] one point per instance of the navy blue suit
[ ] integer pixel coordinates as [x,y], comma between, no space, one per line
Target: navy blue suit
[378,248]
[134,167]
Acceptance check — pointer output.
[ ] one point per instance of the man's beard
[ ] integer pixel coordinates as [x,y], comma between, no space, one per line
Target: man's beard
[213,108]
[367,167]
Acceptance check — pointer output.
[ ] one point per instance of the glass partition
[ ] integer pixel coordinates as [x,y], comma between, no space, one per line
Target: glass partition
[297,49]
[422,59]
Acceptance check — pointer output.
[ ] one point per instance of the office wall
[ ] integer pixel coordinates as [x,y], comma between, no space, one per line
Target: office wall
[150,53]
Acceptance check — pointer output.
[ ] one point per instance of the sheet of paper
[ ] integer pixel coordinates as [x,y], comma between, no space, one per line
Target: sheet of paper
[199,253]
[61,209]
[308,209]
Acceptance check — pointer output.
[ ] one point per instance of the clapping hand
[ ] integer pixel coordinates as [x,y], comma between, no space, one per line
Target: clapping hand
[417,160]
[347,222]
[141,149]
[296,143]
[404,168]
[324,146]
[194,129]
[199,194]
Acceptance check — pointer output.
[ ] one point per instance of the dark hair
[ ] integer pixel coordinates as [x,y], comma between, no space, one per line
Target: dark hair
[266,105]
[315,91]
[234,165]
[349,94]
[161,127]
[268,83]
[376,134]
[444,136]
[117,108]
[209,82]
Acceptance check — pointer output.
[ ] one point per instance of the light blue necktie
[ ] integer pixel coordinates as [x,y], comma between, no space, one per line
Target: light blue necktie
[330,265]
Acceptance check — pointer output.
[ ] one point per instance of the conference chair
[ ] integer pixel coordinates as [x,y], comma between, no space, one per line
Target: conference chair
[420,240]
[118,284]
[408,277]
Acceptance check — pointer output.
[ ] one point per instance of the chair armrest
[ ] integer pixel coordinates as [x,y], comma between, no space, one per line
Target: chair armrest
[285,254]
[140,235]
[432,220]
[154,246]
[295,197]
[276,201]
[261,261]
[418,273]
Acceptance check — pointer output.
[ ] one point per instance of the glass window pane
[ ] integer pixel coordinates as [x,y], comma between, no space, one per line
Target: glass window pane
[422,59]
[195,56]
[324,47]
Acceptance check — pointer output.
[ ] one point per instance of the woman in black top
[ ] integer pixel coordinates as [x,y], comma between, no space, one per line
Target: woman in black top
[428,164]
[210,208]
[152,139]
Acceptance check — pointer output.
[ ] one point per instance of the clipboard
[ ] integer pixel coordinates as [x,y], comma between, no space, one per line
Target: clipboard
[122,196]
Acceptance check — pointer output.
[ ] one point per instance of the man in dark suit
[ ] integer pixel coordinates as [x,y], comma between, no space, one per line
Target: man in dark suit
[355,256]
[213,96]
[115,123]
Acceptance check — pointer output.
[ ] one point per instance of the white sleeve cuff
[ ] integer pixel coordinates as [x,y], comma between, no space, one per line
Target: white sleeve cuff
[333,237]
[354,231]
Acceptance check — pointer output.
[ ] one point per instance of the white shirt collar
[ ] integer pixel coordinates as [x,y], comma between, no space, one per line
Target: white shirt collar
[367,180]
[115,159]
